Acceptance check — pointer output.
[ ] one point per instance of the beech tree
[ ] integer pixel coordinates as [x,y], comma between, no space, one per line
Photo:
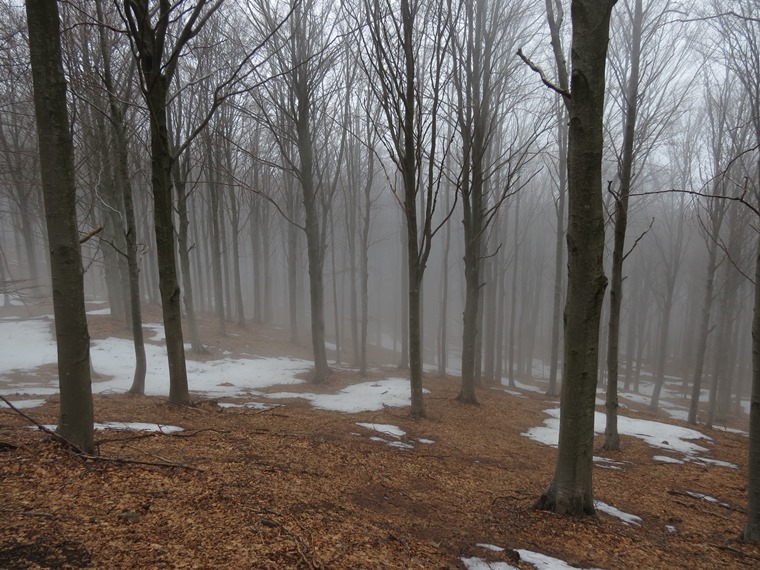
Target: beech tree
[158,53]
[405,65]
[56,151]
[571,489]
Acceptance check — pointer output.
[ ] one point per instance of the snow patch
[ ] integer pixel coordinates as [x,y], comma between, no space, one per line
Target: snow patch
[364,397]
[627,518]
[386,429]
[130,426]
[544,562]
[476,563]
[659,435]
[23,404]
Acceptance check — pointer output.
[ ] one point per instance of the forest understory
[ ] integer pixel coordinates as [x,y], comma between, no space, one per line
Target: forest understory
[296,487]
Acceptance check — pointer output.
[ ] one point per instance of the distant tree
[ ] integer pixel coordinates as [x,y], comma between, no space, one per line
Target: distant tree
[56,150]
[404,59]
[571,489]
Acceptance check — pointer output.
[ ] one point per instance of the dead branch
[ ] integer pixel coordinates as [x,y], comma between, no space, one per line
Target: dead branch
[86,237]
[123,461]
[564,92]
[58,437]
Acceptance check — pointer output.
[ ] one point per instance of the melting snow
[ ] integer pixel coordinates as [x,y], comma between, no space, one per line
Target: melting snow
[657,434]
[364,397]
[131,426]
[627,518]
[476,563]
[23,404]
[386,429]
[544,562]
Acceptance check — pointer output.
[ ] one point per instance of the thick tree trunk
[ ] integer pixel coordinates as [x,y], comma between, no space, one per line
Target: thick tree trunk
[752,525]
[570,491]
[56,151]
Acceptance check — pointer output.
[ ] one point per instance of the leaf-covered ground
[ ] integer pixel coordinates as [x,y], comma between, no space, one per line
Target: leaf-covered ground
[295,487]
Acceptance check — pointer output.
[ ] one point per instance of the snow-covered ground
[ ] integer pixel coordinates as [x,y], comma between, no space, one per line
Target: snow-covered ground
[535,559]
[671,438]
[27,344]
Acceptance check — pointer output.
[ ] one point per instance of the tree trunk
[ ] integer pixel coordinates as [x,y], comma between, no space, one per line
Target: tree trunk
[75,422]
[570,491]
[313,232]
[214,192]
[704,331]
[752,525]
[180,176]
[122,179]
[611,436]
[513,365]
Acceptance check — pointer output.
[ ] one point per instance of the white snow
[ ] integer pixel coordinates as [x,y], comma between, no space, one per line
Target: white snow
[667,459]
[707,498]
[670,528]
[23,404]
[492,547]
[386,429]
[606,463]
[476,563]
[130,426]
[251,405]
[106,311]
[627,518]
[659,435]
[537,560]
[215,378]
[426,441]
[544,562]
[26,344]
[400,445]
[29,344]
[716,462]
[11,299]
[364,397]
[159,333]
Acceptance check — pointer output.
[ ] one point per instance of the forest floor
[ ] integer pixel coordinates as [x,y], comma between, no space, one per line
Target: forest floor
[297,487]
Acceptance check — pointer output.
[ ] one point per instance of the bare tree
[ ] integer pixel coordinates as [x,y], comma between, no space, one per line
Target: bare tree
[405,69]
[75,422]
[571,489]
[158,53]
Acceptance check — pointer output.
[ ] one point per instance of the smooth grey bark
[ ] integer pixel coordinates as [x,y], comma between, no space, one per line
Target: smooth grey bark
[121,178]
[611,436]
[512,339]
[751,531]
[214,193]
[571,488]
[180,171]
[555,17]
[56,150]
[443,316]
[672,262]
[157,68]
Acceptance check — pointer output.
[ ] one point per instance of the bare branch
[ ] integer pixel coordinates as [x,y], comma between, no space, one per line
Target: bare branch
[564,92]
